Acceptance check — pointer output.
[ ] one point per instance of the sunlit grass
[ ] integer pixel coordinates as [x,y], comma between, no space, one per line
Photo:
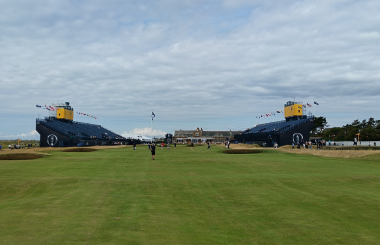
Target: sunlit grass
[200,196]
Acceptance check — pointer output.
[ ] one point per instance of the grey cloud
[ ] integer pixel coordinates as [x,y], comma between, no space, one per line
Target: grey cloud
[188,58]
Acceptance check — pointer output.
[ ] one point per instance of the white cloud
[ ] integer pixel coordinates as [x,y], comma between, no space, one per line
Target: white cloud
[32,135]
[145,132]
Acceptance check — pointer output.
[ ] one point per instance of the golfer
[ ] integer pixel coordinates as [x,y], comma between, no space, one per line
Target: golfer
[153,150]
[192,145]
[134,146]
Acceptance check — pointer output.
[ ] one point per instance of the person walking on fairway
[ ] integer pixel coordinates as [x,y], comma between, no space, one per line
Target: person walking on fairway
[162,146]
[153,150]
[192,145]
[168,146]
[208,145]
[134,146]
[175,145]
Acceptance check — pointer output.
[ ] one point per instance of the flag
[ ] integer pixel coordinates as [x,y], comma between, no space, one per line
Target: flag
[278,111]
[316,103]
[153,116]
[308,105]
[304,106]
[38,106]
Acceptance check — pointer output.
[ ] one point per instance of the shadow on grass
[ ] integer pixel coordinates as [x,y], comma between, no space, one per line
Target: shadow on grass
[20,156]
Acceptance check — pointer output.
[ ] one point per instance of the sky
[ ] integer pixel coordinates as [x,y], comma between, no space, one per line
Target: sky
[211,64]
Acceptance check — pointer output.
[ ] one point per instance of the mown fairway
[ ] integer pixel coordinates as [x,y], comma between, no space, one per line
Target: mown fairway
[118,196]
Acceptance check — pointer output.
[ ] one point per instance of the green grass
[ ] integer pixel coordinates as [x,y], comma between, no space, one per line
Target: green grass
[118,196]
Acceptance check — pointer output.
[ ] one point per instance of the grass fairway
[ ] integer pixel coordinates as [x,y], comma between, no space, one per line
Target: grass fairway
[118,196]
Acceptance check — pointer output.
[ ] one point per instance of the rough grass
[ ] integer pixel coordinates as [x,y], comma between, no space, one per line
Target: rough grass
[325,152]
[242,151]
[20,156]
[79,150]
[200,196]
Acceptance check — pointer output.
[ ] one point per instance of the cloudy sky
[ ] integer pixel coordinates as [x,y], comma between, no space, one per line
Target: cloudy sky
[210,64]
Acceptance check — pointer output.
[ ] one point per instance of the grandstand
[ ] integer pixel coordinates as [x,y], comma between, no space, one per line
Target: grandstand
[60,130]
[294,129]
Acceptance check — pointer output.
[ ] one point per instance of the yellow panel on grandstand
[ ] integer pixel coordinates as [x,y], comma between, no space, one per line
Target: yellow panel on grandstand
[65,114]
[292,109]
[65,111]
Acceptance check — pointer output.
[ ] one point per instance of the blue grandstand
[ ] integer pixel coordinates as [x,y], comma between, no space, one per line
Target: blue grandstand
[294,129]
[60,130]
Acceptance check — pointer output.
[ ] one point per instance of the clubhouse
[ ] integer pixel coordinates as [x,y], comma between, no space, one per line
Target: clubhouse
[199,136]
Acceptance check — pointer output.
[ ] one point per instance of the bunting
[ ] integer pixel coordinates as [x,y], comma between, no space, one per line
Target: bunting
[88,115]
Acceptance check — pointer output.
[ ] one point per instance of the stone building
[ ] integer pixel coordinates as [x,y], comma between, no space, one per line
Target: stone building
[199,136]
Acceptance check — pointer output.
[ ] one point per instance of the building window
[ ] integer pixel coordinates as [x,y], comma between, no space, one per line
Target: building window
[196,134]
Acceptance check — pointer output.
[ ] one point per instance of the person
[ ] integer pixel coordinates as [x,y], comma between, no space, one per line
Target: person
[153,150]
[134,145]
[9,146]
[228,145]
[275,145]
[168,146]
[303,143]
[148,146]
[208,145]
[162,146]
[192,145]
[298,145]
[175,145]
[293,145]
[310,144]
[374,143]
[369,143]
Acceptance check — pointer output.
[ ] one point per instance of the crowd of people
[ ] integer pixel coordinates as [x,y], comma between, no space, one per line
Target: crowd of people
[307,144]
[20,146]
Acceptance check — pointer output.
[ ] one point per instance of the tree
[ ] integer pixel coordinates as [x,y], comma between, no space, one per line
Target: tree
[319,124]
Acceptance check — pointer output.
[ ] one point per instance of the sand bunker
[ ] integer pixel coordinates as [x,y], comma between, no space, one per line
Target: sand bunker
[80,150]
[242,151]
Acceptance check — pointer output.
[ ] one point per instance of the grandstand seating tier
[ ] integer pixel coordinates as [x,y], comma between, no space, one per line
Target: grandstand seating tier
[279,127]
[78,130]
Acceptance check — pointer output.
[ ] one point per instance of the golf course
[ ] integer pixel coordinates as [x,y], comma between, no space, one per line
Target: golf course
[116,195]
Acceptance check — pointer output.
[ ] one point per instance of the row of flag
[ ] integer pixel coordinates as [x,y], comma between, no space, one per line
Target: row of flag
[49,108]
[269,114]
[278,112]
[88,115]
[52,108]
